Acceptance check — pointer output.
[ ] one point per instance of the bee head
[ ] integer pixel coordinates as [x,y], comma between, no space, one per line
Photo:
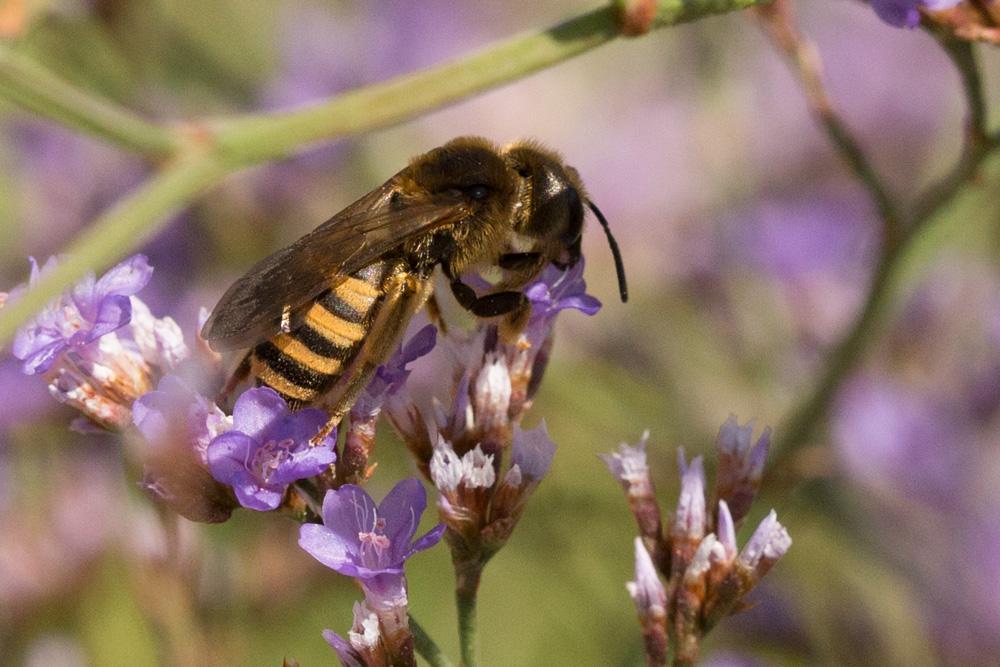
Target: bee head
[550,201]
[550,210]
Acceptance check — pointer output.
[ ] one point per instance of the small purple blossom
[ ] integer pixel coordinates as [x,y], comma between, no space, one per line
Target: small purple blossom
[91,309]
[767,544]
[557,290]
[268,449]
[629,467]
[176,410]
[361,540]
[391,376]
[532,452]
[906,13]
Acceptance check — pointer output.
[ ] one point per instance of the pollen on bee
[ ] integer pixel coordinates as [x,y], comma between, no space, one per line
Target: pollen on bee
[286,319]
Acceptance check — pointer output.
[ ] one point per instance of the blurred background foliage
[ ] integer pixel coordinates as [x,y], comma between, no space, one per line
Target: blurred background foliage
[749,249]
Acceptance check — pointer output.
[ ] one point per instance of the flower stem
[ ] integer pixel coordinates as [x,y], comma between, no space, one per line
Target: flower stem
[804,60]
[122,228]
[32,86]
[217,148]
[426,647]
[467,576]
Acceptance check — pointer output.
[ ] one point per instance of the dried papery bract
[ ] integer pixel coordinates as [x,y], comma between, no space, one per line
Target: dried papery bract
[707,577]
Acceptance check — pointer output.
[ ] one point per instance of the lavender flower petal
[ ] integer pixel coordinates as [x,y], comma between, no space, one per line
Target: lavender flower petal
[401,510]
[533,451]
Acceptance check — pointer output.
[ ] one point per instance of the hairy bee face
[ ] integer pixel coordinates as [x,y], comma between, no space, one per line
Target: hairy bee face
[550,201]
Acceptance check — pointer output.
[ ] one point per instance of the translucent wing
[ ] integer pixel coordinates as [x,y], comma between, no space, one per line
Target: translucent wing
[251,309]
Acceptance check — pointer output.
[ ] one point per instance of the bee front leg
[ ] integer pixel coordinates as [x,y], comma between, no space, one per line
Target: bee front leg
[489,305]
[514,305]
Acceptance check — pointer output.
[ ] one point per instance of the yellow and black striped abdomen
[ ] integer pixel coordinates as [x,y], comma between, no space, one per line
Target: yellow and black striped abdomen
[302,364]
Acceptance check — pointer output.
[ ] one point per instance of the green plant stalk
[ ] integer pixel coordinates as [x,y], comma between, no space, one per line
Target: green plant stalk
[124,226]
[849,352]
[32,86]
[467,577]
[426,646]
[226,145]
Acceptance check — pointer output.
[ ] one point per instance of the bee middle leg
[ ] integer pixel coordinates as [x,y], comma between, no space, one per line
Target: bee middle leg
[435,314]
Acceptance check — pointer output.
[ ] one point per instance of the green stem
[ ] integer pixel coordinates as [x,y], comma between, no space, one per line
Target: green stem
[426,646]
[849,352]
[806,65]
[28,84]
[845,357]
[963,56]
[123,227]
[467,576]
[226,145]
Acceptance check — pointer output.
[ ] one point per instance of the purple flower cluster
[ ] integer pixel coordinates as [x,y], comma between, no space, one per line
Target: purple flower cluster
[98,345]
[906,13]
[91,309]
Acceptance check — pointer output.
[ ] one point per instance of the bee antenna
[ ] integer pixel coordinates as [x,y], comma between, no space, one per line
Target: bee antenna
[619,264]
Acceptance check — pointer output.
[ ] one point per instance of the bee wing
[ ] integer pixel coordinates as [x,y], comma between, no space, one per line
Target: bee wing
[252,308]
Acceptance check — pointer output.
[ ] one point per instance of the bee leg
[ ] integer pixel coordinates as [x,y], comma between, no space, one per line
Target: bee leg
[489,305]
[435,315]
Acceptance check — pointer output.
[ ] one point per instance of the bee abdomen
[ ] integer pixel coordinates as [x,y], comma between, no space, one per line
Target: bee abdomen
[305,362]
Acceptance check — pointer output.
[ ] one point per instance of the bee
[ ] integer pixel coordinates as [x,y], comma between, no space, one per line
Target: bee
[321,315]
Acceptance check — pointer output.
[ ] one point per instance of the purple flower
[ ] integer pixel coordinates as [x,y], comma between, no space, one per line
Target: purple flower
[90,310]
[767,544]
[689,519]
[268,449]
[360,540]
[175,410]
[391,376]
[532,452]
[557,290]
[906,13]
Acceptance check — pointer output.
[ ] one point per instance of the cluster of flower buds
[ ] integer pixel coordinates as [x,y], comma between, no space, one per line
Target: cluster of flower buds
[970,20]
[98,346]
[483,464]
[708,576]
[371,543]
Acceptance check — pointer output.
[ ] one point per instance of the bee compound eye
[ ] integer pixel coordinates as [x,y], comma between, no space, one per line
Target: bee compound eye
[477,192]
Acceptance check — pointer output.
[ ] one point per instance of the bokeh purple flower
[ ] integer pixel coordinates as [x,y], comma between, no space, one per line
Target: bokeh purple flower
[91,309]
[268,448]
[906,13]
[361,540]
[176,411]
